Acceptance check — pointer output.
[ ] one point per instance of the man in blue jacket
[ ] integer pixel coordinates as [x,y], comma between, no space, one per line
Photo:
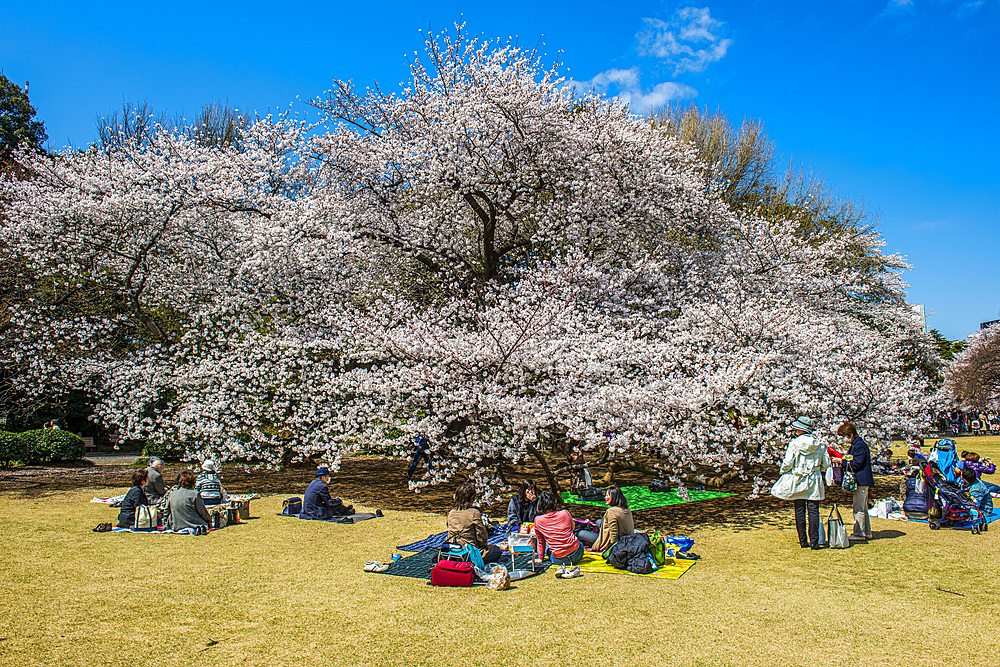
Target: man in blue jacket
[317,503]
[860,464]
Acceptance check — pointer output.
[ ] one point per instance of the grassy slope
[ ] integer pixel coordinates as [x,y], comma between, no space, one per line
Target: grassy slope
[277,591]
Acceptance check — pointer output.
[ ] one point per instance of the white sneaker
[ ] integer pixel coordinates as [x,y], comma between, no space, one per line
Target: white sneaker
[572,573]
[560,571]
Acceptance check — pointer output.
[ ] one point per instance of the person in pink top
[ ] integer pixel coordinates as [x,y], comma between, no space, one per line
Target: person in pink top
[554,532]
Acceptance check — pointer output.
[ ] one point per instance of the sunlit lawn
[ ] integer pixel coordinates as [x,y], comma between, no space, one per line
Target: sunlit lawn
[278,591]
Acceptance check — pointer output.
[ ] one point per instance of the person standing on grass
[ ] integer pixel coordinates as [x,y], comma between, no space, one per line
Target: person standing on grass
[420,453]
[135,497]
[801,481]
[859,461]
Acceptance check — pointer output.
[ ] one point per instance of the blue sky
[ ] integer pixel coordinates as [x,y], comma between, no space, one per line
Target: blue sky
[893,102]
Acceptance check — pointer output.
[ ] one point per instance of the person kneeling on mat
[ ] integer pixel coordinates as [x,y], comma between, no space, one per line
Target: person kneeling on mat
[466,526]
[317,503]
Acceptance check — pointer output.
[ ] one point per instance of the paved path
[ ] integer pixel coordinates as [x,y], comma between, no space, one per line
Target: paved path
[113,458]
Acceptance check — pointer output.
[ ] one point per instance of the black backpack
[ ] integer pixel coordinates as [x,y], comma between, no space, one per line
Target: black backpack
[590,493]
[659,486]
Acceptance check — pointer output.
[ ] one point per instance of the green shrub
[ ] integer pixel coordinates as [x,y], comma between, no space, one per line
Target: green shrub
[11,448]
[162,450]
[52,446]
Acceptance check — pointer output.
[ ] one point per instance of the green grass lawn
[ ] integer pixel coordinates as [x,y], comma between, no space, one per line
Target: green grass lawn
[277,591]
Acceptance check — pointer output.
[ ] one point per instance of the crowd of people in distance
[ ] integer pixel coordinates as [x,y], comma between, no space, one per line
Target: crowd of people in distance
[184,505]
[974,422]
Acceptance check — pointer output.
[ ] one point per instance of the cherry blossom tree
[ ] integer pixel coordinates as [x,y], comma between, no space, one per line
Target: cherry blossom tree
[485,259]
[973,377]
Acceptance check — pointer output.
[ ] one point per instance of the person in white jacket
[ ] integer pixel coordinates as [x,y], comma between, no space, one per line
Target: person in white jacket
[801,480]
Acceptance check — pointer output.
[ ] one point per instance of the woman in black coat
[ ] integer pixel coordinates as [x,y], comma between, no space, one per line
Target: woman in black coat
[860,464]
[135,497]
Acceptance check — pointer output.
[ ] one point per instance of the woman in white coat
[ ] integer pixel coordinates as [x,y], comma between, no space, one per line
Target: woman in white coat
[802,480]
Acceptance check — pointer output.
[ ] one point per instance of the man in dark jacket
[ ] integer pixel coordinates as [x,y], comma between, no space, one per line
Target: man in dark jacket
[317,503]
[860,464]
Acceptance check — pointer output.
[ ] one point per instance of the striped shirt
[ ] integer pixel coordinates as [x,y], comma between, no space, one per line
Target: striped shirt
[209,486]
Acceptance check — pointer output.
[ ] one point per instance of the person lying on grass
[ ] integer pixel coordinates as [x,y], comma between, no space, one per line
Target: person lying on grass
[185,507]
[554,533]
[466,526]
[616,522]
[135,497]
[317,503]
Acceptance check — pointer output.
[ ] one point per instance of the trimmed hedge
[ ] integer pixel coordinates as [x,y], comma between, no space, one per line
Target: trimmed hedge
[11,449]
[43,446]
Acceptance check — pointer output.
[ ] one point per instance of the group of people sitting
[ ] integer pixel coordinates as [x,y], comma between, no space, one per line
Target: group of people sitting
[183,506]
[557,536]
[965,472]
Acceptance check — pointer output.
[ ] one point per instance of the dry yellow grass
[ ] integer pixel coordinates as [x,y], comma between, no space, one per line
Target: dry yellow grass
[277,591]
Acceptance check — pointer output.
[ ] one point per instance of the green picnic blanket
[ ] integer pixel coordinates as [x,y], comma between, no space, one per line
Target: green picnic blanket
[641,498]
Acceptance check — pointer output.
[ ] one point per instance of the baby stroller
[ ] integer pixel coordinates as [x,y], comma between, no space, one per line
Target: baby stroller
[952,506]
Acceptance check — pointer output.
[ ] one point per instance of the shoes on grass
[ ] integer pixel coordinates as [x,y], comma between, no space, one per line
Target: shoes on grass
[560,571]
[687,555]
[375,566]
[103,528]
[570,573]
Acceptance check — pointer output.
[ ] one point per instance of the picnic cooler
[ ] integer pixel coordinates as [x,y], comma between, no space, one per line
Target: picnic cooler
[452,573]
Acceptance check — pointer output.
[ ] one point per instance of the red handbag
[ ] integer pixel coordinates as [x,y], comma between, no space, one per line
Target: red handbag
[451,573]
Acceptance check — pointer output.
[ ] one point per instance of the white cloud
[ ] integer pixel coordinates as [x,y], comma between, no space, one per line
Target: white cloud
[968,8]
[690,41]
[625,85]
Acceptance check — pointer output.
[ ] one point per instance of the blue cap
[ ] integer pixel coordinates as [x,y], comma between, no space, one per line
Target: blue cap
[322,470]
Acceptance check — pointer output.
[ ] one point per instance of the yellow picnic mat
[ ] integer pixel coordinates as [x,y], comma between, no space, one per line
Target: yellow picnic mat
[672,569]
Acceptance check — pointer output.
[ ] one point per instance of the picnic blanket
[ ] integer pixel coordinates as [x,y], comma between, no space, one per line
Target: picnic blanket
[349,518]
[435,541]
[673,569]
[641,498]
[114,501]
[164,531]
[899,516]
[419,565]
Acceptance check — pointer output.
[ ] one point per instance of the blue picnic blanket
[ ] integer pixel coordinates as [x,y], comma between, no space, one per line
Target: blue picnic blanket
[435,541]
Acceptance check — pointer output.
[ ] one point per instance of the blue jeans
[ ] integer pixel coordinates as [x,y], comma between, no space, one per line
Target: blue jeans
[571,559]
[417,457]
[589,537]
